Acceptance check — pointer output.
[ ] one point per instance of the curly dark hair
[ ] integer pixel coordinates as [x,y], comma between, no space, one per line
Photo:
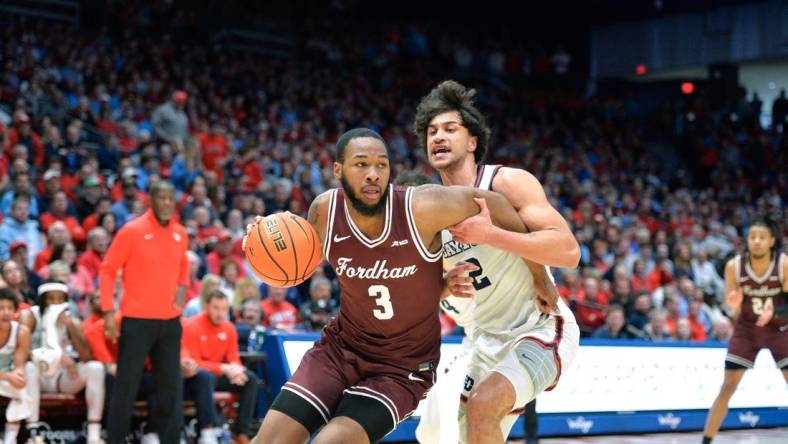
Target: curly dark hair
[412,178]
[6,294]
[768,222]
[453,96]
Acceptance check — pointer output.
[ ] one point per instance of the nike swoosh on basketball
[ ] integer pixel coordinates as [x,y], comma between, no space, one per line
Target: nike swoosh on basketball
[340,239]
[412,377]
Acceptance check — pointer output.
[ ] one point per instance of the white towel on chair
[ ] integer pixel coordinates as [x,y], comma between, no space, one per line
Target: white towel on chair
[47,357]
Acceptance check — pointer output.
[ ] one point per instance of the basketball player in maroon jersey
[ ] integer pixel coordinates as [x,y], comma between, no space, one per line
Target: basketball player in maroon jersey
[755,289]
[376,360]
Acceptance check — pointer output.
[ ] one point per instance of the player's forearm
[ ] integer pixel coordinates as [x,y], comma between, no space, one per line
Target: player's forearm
[79,343]
[20,359]
[543,285]
[180,296]
[547,247]
[502,214]
[107,276]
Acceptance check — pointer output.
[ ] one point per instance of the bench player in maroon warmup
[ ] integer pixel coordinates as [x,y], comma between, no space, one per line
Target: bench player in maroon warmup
[755,289]
[376,360]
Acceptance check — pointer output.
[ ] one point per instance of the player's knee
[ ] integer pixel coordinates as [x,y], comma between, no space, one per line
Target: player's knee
[204,377]
[484,405]
[728,389]
[94,371]
[31,370]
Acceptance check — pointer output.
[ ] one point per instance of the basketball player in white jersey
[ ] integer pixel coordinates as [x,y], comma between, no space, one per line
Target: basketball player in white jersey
[438,423]
[14,374]
[55,333]
[521,342]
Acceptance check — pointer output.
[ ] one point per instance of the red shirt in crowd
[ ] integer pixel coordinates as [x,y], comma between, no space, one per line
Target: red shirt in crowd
[103,350]
[91,261]
[214,149]
[72,224]
[12,139]
[42,259]
[213,262]
[591,313]
[282,315]
[698,332]
[252,175]
[91,320]
[208,344]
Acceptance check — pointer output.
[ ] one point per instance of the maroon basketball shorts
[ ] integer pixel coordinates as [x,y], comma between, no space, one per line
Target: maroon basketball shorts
[748,340]
[334,381]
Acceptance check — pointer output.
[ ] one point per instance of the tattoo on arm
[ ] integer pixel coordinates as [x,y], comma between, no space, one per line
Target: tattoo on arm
[314,213]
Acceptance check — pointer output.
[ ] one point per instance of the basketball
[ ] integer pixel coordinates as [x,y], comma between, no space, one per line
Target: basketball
[283,249]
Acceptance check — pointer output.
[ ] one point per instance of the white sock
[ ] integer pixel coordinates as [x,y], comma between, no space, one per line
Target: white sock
[208,436]
[150,438]
[94,432]
[11,432]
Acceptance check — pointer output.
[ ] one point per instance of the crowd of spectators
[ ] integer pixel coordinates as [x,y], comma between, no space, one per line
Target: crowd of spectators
[87,124]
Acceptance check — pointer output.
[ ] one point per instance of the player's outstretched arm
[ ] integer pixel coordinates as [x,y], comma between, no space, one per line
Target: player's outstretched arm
[733,293]
[549,240]
[438,207]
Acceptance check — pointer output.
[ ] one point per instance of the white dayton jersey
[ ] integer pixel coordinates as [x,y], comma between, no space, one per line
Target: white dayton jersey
[508,333]
[504,303]
[499,318]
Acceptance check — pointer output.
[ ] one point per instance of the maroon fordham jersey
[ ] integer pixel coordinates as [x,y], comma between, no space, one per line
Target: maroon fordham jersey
[758,289]
[390,286]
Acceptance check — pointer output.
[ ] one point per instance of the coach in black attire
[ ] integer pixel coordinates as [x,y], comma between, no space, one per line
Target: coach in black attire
[151,252]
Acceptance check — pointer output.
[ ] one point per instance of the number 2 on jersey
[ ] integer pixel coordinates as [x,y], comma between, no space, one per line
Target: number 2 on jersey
[383,300]
[479,281]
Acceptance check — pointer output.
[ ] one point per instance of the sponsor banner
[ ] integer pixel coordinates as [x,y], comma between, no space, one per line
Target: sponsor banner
[616,379]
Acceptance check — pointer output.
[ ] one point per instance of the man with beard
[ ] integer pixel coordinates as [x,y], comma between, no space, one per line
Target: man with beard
[150,252]
[377,358]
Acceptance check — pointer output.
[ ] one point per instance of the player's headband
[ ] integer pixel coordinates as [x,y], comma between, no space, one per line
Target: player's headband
[52,286]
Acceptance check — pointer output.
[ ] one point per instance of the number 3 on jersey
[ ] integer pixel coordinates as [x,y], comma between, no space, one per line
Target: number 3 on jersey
[383,300]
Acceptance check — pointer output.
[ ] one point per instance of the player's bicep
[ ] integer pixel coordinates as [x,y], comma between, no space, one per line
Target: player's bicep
[443,207]
[730,277]
[439,207]
[317,214]
[22,344]
[526,194]
[27,319]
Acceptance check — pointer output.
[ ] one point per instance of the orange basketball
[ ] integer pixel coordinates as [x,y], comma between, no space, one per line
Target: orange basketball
[283,249]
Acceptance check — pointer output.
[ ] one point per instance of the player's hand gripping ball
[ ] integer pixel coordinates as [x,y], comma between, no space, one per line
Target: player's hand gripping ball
[282,249]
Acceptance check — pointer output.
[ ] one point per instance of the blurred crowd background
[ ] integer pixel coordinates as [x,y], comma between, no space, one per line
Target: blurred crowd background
[659,196]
